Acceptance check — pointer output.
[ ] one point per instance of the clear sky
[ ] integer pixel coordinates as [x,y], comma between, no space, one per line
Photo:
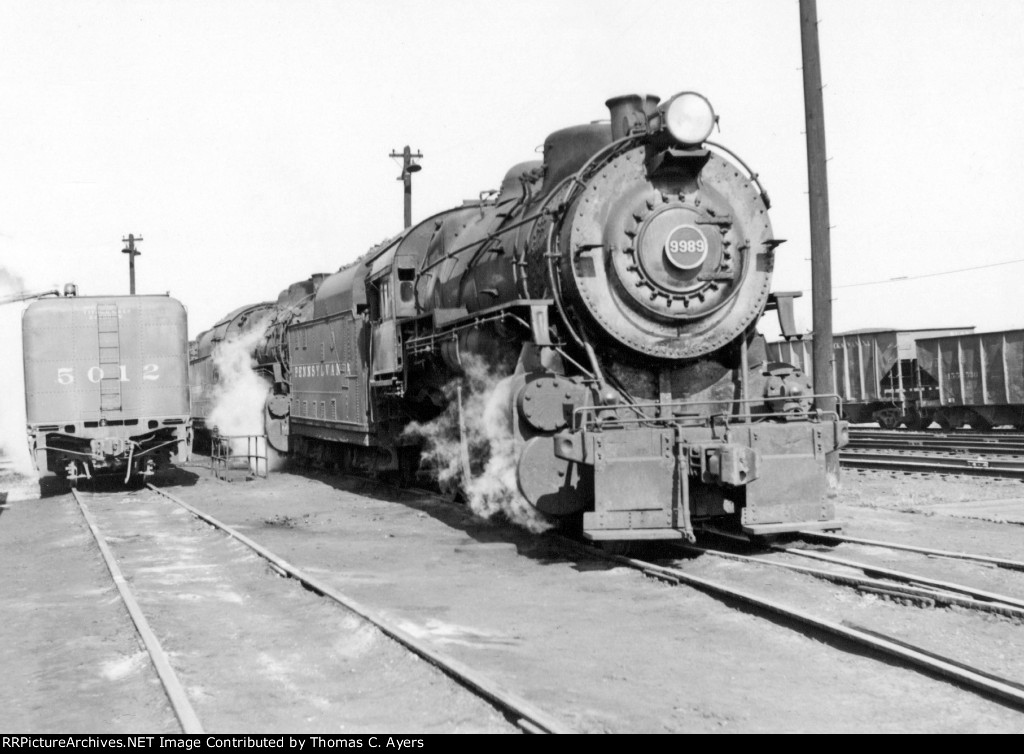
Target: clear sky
[247,141]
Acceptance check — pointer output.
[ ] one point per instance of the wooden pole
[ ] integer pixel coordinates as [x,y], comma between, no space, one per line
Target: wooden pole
[817,182]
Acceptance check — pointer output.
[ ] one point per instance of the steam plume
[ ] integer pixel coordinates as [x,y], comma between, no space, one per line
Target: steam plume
[492,486]
[240,393]
[13,442]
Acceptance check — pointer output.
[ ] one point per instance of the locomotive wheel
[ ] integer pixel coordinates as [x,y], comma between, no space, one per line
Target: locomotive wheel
[408,465]
[452,490]
[889,419]
[980,424]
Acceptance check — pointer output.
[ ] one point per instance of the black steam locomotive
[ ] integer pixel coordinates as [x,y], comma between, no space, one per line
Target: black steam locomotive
[611,293]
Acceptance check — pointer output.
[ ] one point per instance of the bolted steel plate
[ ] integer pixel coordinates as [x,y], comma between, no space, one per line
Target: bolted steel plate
[552,485]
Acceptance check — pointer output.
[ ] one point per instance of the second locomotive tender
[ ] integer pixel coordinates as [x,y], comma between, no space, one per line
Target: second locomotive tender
[618,283]
[106,385]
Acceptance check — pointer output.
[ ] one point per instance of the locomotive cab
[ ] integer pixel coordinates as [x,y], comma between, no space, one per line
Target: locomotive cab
[386,351]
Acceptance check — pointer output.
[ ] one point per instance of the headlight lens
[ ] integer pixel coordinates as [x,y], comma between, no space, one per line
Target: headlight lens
[689,117]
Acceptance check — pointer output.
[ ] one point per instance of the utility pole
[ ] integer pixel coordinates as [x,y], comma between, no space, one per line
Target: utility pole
[817,183]
[821,254]
[408,168]
[132,252]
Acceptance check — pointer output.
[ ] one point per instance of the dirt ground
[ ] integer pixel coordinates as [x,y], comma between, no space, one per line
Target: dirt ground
[598,646]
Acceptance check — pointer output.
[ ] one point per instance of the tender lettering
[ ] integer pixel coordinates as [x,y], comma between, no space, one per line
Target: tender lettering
[66,375]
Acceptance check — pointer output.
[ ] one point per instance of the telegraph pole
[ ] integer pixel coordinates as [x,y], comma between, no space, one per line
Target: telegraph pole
[408,168]
[821,255]
[817,183]
[132,252]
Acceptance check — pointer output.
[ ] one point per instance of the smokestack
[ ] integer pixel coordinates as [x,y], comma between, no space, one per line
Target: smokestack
[630,112]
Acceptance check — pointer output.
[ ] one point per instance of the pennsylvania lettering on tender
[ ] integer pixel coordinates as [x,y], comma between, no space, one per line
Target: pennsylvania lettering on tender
[327,369]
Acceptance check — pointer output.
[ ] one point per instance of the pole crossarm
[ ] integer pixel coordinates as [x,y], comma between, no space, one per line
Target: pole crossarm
[132,252]
[408,168]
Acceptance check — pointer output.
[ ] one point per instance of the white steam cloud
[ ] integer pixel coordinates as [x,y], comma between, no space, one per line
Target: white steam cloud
[13,438]
[492,486]
[240,393]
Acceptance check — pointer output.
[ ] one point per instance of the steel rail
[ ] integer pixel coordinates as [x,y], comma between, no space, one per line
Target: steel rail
[910,578]
[524,714]
[964,665]
[1013,565]
[947,458]
[986,438]
[974,678]
[878,586]
[998,435]
[944,445]
[172,686]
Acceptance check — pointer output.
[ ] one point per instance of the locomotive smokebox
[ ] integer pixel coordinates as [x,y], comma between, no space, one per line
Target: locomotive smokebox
[633,112]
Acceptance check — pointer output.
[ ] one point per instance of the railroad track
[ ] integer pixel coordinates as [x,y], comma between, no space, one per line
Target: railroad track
[992,454]
[172,685]
[516,710]
[915,588]
[986,443]
[907,588]
[933,462]
[986,684]
[1013,565]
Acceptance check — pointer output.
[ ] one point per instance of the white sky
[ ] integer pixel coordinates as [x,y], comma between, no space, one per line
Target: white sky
[247,140]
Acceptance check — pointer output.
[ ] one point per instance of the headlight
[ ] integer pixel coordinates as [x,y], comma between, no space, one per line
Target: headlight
[689,117]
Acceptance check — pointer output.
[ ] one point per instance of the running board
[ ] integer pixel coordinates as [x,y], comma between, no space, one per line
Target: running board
[761,529]
[601,535]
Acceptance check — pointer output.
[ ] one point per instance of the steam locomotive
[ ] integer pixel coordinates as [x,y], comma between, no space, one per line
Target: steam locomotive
[611,293]
[265,325]
[106,385]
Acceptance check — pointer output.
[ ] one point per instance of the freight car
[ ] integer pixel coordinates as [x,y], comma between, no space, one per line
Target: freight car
[612,290]
[979,379]
[106,385]
[877,376]
[949,376]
